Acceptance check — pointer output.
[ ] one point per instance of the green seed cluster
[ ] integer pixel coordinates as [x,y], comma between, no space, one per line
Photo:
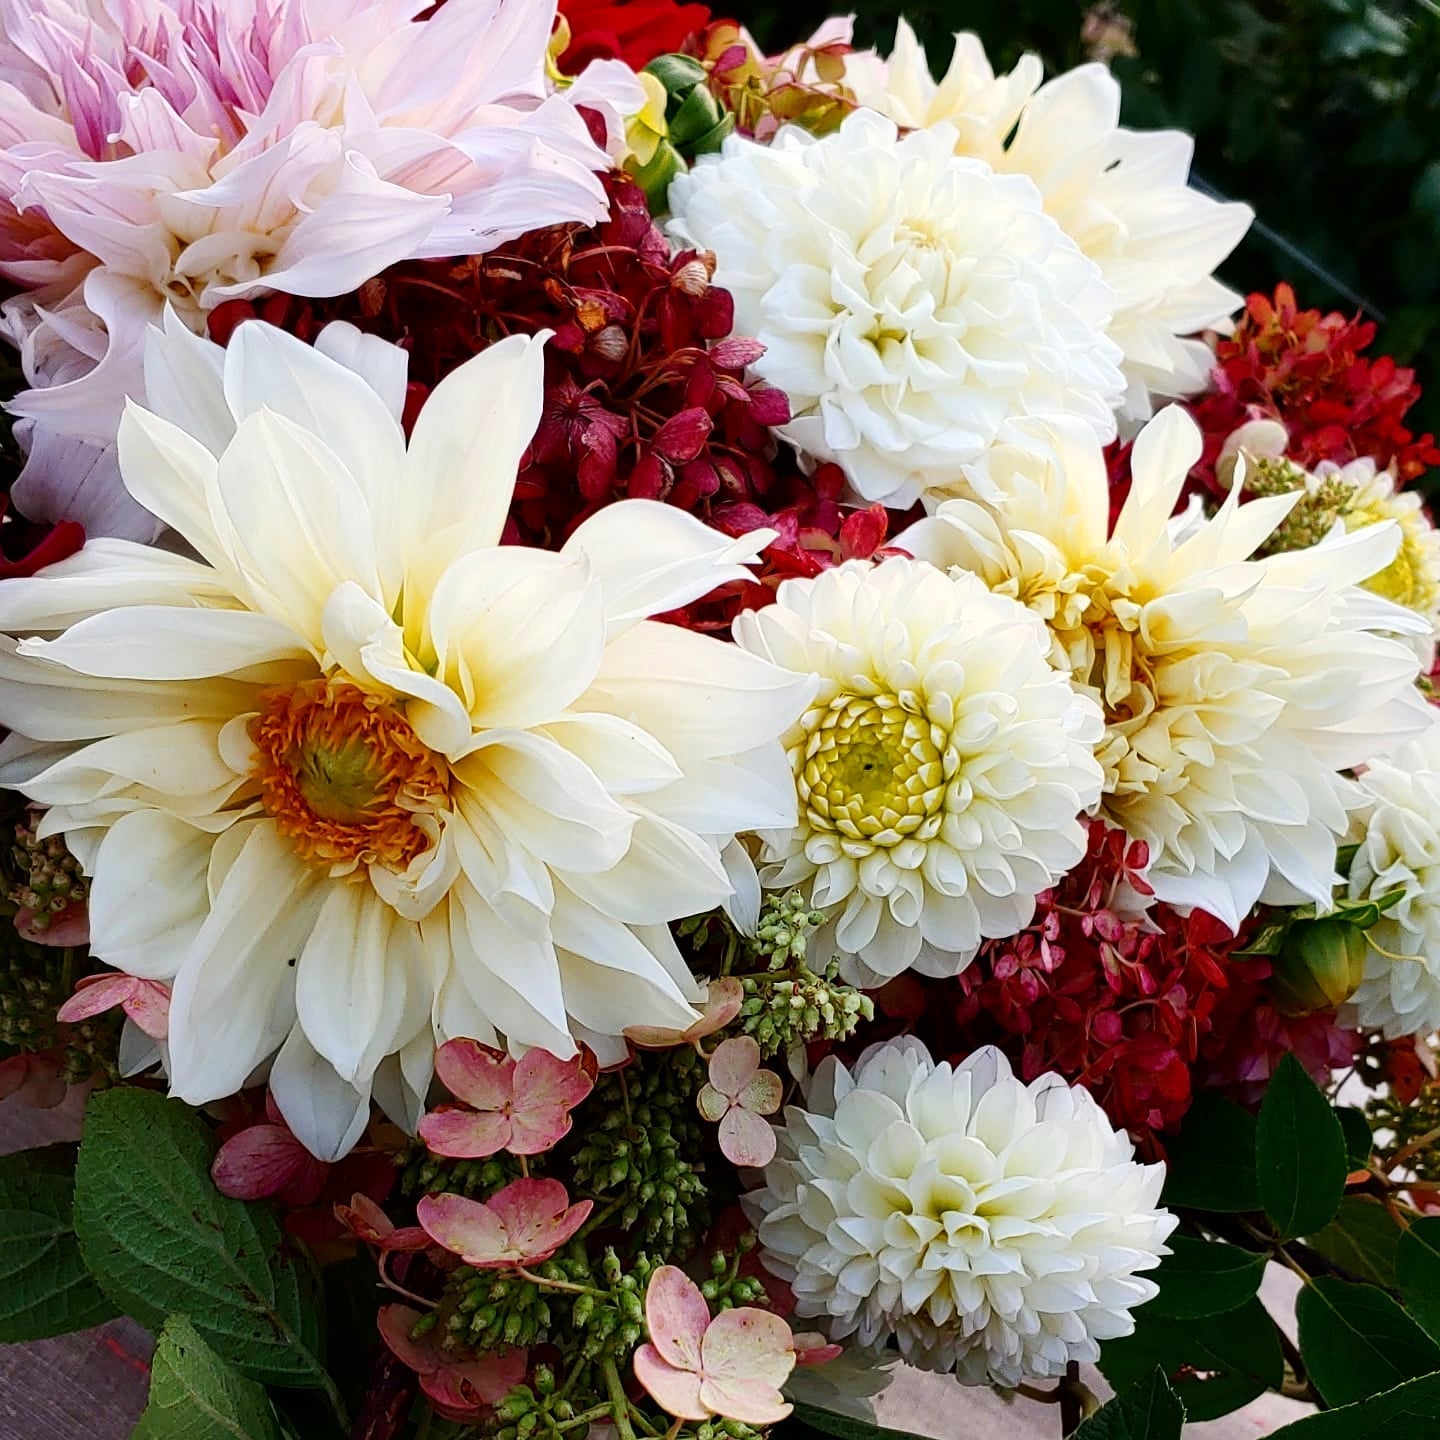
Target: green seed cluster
[422,1173]
[1315,512]
[485,1309]
[42,875]
[35,981]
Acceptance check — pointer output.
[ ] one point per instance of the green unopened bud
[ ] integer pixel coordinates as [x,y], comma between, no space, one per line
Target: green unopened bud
[1319,966]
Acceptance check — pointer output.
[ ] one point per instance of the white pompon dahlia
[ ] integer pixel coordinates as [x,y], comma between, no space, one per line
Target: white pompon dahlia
[989,1227]
[1235,690]
[910,301]
[1399,832]
[1120,194]
[190,152]
[360,779]
[941,768]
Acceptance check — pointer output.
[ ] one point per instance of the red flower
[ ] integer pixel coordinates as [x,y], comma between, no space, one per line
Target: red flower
[635,31]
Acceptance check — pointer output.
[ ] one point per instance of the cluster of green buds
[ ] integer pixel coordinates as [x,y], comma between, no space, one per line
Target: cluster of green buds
[642,1150]
[725,1287]
[42,876]
[679,120]
[542,1408]
[35,981]
[611,1322]
[1316,511]
[422,1173]
[485,1309]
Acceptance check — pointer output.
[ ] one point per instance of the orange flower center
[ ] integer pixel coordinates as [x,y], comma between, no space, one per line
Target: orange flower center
[344,777]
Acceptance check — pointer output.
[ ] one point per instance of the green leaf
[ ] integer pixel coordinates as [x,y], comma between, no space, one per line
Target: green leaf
[1356,1341]
[1363,1238]
[195,1395]
[1204,1277]
[1238,1353]
[1149,1410]
[1417,1269]
[1358,1140]
[161,1240]
[45,1288]
[1300,1161]
[843,1427]
[1212,1160]
[1377,1417]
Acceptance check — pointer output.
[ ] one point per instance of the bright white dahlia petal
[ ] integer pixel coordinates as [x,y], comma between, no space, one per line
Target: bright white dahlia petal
[1121,195]
[941,769]
[367,782]
[989,1227]
[1399,831]
[911,301]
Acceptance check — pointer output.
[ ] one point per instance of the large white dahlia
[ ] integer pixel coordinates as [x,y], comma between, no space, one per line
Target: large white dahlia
[1399,833]
[910,301]
[989,1227]
[1235,690]
[359,779]
[1120,194]
[940,769]
[190,152]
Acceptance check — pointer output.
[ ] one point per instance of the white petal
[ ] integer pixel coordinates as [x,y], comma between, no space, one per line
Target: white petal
[326,1114]
[185,384]
[384,367]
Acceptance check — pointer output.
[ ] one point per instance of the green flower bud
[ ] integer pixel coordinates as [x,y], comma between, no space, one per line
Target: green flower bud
[1320,965]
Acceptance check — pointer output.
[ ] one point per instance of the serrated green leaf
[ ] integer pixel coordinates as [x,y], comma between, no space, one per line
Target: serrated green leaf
[1363,1238]
[161,1240]
[1356,1341]
[1211,1164]
[1238,1354]
[1417,1269]
[45,1288]
[1148,1410]
[1382,1417]
[1359,1141]
[1204,1277]
[195,1395]
[1300,1161]
[828,1422]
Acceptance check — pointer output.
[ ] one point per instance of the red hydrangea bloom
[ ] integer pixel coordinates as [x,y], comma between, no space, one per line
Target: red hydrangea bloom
[1307,370]
[635,31]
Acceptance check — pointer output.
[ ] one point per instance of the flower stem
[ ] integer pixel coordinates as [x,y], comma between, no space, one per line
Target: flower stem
[568,1285]
[619,1405]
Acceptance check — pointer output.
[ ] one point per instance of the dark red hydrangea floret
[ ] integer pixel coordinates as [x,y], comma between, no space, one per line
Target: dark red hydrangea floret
[1307,370]
[635,31]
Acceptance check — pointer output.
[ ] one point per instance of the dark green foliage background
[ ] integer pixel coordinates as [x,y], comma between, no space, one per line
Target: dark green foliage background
[1324,114]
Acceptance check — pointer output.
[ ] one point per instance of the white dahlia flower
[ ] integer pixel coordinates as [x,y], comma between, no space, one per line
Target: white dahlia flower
[987,1226]
[1120,194]
[941,767]
[360,779]
[910,301]
[1399,833]
[1235,690]
[190,152]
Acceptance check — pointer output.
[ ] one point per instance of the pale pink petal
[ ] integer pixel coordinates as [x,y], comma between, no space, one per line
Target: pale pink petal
[762,1096]
[676,1315]
[812,1348]
[746,1139]
[536,1216]
[68,929]
[476,1074]
[365,1220]
[94,995]
[493,1376]
[746,1356]
[722,1004]
[734,1064]
[466,1228]
[465,1134]
[711,1103]
[448,1392]
[677,1392]
[751,1401]
[535,1130]
[261,1161]
[395,1323]
[546,1090]
[149,1008]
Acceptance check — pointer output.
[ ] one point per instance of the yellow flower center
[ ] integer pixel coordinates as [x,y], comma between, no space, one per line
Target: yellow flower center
[344,776]
[1407,580]
[873,768]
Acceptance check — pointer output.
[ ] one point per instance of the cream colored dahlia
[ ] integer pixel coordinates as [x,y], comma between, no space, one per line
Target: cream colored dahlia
[1399,833]
[940,769]
[1120,194]
[987,1226]
[1235,690]
[359,779]
[910,301]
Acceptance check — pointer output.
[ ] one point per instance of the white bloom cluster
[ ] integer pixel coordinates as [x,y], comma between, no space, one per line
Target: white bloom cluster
[988,1226]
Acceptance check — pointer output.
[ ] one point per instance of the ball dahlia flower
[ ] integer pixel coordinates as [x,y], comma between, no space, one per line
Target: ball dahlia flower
[358,779]
[1400,850]
[189,152]
[1235,690]
[987,1226]
[1120,194]
[910,301]
[940,769]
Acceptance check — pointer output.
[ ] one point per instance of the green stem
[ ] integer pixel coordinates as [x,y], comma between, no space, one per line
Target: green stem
[619,1405]
[567,1285]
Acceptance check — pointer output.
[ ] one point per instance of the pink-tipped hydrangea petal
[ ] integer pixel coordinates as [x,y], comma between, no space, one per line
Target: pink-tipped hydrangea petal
[722,1004]
[67,930]
[546,1090]
[746,1356]
[464,1134]
[94,995]
[812,1348]
[538,1217]
[746,1139]
[751,1401]
[449,1391]
[675,1391]
[762,1096]
[712,1103]
[676,1315]
[734,1064]
[495,1374]
[149,1007]
[466,1228]
[263,1160]
[476,1074]
[396,1322]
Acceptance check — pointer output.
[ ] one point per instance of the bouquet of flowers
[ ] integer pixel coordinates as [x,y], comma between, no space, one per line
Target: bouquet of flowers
[684,725]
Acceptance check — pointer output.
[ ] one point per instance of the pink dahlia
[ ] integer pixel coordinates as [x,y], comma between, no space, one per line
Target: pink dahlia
[193,152]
